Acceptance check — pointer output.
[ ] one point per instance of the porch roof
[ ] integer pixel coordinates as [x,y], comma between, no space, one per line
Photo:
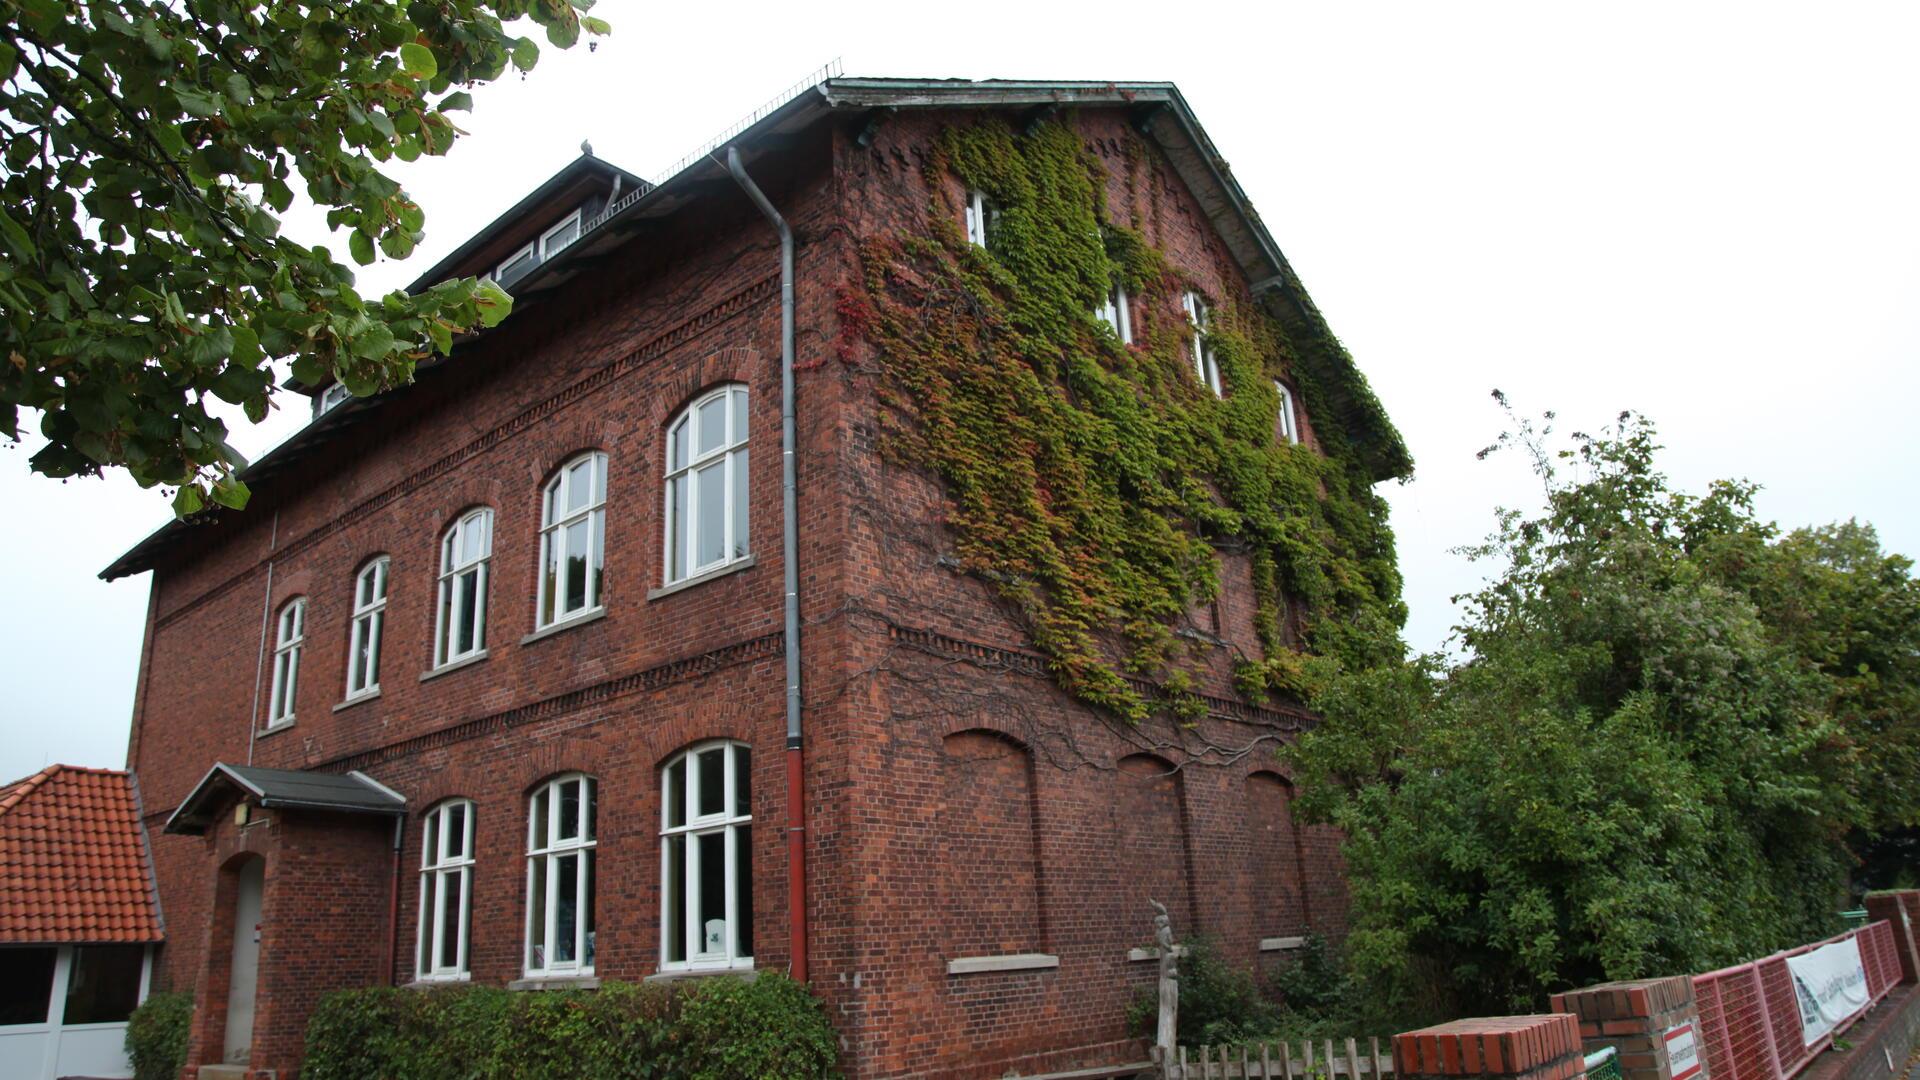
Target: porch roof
[299,789]
[73,860]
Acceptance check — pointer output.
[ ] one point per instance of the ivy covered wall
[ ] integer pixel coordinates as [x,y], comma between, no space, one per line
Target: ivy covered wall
[1097,485]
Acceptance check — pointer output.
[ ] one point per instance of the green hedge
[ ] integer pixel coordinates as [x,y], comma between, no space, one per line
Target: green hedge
[715,1029]
[157,1036]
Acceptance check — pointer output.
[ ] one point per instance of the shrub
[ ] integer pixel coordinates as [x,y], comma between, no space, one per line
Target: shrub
[157,1036]
[716,1029]
[1219,1003]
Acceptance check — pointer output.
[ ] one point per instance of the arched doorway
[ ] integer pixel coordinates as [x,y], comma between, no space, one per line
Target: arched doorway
[244,975]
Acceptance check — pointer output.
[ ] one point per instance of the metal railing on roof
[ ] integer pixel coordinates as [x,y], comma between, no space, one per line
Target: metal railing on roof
[829,70]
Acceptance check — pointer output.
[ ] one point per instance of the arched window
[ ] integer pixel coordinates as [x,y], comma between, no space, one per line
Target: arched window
[363,638]
[1206,366]
[707,484]
[706,859]
[1289,421]
[290,635]
[461,626]
[573,525]
[560,876]
[446,890]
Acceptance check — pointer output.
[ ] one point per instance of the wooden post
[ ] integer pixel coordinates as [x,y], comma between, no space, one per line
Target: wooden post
[1167,1037]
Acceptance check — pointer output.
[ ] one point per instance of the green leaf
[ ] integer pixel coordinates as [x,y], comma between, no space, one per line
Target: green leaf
[229,491]
[187,501]
[360,245]
[458,101]
[593,25]
[373,343]
[417,60]
[493,302]
[525,54]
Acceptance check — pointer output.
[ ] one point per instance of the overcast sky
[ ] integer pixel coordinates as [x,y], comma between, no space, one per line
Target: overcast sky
[1710,214]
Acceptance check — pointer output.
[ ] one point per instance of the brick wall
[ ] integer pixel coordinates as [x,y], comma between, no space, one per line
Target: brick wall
[959,803]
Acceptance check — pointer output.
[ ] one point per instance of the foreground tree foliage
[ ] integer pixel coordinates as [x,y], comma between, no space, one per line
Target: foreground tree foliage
[146,151]
[1668,721]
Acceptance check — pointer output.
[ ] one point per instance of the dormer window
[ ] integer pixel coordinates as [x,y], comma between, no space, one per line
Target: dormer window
[334,395]
[1113,312]
[555,239]
[983,216]
[516,265]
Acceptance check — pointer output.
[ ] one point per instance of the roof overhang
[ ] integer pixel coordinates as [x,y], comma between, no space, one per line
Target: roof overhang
[1159,113]
[290,789]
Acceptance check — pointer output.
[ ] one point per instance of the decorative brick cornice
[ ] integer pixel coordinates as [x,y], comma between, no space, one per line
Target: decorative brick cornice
[653,678]
[605,375]
[934,643]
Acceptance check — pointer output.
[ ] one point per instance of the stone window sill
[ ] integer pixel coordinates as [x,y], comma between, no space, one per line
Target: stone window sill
[357,699]
[437,983]
[276,727]
[745,974]
[701,578]
[1280,944]
[556,982]
[969,965]
[453,666]
[568,623]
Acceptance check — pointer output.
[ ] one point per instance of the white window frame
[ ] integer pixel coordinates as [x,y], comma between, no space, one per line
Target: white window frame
[1114,312]
[500,271]
[369,620]
[1289,420]
[728,821]
[682,522]
[444,864]
[982,215]
[448,604]
[1206,366]
[335,395]
[548,250]
[557,520]
[290,635]
[544,855]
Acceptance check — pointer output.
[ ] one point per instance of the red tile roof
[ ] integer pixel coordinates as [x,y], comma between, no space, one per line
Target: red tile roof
[73,859]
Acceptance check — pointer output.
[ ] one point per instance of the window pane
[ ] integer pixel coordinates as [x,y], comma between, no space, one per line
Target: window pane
[456,830]
[443,634]
[569,810]
[430,851]
[673,892]
[677,528]
[739,415]
[549,575]
[587,952]
[579,485]
[599,554]
[576,594]
[450,919]
[713,425]
[676,793]
[711,787]
[542,835]
[26,990]
[743,890]
[374,622]
[424,963]
[537,917]
[361,640]
[677,444]
[593,807]
[566,907]
[710,536]
[742,784]
[713,892]
[466,635]
[740,500]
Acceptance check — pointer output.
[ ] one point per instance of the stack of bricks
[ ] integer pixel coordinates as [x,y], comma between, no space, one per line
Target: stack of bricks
[1523,1047]
[1902,908]
[1652,1023]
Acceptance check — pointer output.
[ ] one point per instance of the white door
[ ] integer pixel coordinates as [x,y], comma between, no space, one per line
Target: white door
[245,976]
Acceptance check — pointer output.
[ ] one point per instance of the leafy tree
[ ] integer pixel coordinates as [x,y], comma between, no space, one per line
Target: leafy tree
[1667,720]
[146,151]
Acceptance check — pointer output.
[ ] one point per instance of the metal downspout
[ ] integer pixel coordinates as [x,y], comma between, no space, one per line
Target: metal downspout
[790,559]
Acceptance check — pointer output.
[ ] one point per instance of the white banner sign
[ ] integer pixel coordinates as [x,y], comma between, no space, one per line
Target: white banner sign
[1831,984]
[1683,1053]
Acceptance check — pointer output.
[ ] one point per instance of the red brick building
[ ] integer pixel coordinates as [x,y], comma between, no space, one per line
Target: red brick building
[488,682]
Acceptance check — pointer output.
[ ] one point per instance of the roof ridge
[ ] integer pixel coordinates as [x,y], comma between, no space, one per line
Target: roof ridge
[26,786]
